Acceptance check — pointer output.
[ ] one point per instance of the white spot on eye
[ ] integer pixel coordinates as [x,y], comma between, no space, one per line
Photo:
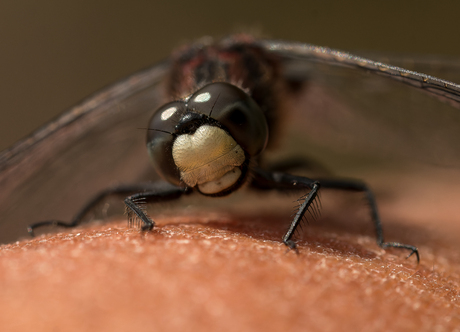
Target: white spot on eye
[168,113]
[202,97]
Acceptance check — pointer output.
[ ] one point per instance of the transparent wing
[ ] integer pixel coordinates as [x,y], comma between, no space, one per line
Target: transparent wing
[370,108]
[300,58]
[52,173]
[445,67]
[396,129]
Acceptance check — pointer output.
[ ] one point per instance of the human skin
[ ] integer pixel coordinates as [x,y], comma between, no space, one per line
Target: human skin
[229,274]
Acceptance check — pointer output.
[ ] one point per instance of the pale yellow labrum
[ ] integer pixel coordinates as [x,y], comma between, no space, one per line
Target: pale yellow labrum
[209,158]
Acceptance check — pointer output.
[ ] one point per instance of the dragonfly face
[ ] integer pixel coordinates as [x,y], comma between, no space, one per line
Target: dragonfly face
[96,144]
[208,140]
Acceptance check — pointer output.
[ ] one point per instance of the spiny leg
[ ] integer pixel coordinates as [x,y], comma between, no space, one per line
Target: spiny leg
[136,210]
[304,207]
[281,181]
[355,185]
[157,187]
[119,190]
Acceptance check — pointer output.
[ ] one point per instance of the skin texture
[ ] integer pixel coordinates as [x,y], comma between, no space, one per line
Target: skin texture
[217,272]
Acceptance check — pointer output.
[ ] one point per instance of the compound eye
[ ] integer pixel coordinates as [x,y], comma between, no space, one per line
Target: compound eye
[160,139]
[237,112]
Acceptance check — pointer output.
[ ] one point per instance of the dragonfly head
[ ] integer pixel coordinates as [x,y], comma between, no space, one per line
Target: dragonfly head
[206,141]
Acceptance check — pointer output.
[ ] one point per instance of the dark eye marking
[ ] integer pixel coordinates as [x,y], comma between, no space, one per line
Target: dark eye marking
[237,116]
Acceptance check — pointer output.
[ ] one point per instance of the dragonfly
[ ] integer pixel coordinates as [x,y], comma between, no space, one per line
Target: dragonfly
[233,114]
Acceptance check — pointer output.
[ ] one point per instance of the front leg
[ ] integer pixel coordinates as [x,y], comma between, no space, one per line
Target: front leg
[135,204]
[280,181]
[156,192]
[304,207]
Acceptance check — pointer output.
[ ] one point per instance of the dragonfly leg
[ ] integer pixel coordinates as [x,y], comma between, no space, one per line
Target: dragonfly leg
[356,185]
[283,181]
[136,210]
[159,188]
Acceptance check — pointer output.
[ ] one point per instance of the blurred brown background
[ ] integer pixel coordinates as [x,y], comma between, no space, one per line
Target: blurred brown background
[54,53]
